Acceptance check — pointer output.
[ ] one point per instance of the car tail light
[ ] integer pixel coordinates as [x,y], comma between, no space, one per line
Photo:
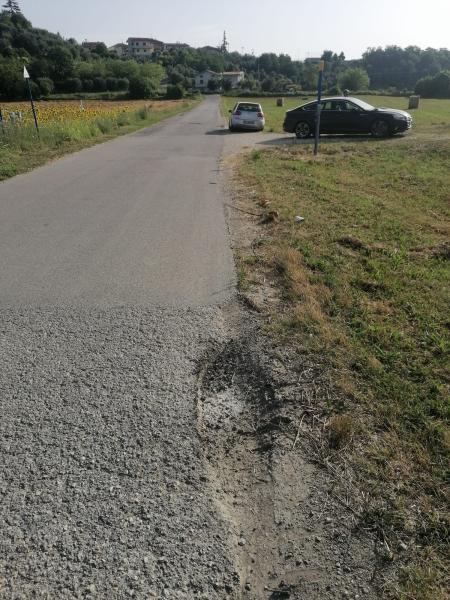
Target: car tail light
[260,115]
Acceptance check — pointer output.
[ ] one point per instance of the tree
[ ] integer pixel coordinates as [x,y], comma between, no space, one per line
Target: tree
[12,6]
[62,63]
[227,85]
[142,88]
[175,92]
[354,79]
[437,86]
[213,84]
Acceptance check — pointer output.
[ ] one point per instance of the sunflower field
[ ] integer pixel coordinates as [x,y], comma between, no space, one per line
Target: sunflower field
[67,126]
[62,112]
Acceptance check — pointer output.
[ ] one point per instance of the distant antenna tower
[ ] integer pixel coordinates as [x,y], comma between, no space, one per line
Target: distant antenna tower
[225,45]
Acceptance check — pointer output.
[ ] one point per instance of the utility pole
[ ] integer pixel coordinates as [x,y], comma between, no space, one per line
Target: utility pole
[319,98]
[224,50]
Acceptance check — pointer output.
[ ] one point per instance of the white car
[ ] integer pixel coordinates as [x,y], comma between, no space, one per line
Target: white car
[247,115]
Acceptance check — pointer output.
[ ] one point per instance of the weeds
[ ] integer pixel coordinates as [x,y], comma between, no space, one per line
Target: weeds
[364,285]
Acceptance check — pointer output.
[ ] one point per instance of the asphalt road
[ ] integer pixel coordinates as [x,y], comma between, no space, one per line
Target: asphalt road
[114,265]
[137,220]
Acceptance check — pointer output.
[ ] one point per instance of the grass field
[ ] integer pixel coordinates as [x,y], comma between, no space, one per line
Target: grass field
[364,282]
[68,126]
[433,116]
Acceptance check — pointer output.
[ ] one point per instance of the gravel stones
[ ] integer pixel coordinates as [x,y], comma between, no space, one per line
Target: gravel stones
[101,491]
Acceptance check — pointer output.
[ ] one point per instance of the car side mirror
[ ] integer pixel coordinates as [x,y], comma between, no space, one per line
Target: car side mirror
[230,111]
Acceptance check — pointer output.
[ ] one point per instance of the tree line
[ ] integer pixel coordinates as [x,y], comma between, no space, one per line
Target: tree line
[58,65]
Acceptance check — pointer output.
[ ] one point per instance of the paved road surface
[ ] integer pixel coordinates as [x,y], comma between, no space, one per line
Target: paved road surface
[136,220]
[113,265]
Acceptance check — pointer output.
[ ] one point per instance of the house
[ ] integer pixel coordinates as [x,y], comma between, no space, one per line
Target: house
[234,76]
[119,50]
[141,47]
[202,79]
[90,45]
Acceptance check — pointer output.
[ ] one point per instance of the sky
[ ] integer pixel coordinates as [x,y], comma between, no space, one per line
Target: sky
[300,28]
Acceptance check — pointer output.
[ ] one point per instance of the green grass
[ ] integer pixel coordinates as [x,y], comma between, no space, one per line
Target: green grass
[21,150]
[433,116]
[365,284]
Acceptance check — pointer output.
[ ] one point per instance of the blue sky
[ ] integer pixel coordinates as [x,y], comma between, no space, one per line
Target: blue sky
[300,28]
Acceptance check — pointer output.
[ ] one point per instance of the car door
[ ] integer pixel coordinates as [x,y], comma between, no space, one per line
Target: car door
[327,117]
[334,117]
[309,114]
[357,120]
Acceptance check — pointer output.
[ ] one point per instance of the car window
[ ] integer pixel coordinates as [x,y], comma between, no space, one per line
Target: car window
[328,105]
[352,107]
[361,104]
[249,107]
[312,106]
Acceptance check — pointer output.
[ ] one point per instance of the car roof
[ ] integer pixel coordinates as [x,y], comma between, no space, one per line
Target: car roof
[334,98]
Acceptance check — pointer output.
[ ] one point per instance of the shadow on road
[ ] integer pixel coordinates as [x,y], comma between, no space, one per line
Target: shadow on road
[222,131]
[324,139]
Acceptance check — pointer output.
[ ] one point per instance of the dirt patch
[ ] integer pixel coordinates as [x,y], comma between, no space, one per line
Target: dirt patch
[272,459]
[257,415]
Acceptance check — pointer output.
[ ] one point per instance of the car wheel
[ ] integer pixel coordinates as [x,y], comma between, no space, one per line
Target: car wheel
[302,130]
[380,129]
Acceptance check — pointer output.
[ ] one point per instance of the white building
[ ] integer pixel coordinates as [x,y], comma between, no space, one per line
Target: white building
[202,79]
[234,76]
[141,47]
[119,50]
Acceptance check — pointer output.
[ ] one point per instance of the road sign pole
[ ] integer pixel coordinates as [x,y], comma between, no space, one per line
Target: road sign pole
[27,77]
[319,98]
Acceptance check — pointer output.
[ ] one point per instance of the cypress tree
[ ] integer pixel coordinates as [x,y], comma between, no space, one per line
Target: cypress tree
[12,6]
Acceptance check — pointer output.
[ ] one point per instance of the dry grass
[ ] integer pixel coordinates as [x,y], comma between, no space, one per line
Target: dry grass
[363,283]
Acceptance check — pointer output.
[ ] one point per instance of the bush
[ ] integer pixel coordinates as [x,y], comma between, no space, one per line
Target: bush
[142,88]
[143,113]
[437,86]
[72,85]
[123,119]
[227,85]
[123,84]
[112,84]
[354,79]
[175,92]
[88,85]
[213,84]
[99,84]
[46,86]
[105,125]
[335,90]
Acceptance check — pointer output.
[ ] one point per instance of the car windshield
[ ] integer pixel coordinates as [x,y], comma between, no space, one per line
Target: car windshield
[362,104]
[249,107]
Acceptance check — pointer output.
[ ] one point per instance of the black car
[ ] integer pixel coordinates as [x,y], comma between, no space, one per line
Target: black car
[346,115]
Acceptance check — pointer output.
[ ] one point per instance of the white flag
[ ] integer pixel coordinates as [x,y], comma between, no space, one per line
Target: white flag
[26,75]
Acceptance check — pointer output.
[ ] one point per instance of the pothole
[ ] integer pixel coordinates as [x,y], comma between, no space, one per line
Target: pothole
[237,419]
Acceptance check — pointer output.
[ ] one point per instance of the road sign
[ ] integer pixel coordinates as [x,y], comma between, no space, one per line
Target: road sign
[26,76]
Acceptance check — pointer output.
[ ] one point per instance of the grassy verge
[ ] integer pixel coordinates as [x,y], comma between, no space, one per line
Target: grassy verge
[433,116]
[363,282]
[21,150]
